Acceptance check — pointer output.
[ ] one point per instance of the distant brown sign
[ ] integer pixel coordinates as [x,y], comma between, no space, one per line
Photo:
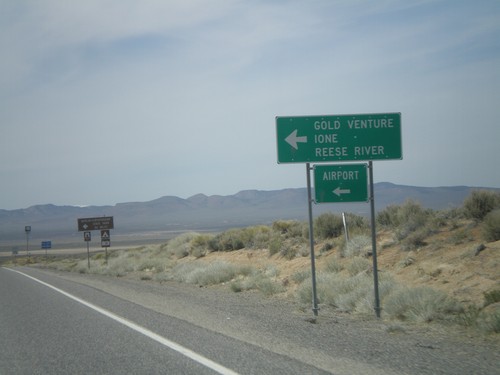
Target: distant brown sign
[95,223]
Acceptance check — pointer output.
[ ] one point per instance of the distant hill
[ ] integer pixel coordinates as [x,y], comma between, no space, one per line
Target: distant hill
[216,212]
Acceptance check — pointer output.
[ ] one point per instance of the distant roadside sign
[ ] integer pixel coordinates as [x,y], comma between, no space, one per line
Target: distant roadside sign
[362,137]
[340,183]
[95,223]
[46,244]
[105,238]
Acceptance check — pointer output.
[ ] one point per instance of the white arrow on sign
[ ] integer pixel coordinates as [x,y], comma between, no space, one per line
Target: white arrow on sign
[292,139]
[85,226]
[338,191]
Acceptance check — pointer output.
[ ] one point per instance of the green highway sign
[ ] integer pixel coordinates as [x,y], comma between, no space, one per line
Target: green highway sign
[340,183]
[305,139]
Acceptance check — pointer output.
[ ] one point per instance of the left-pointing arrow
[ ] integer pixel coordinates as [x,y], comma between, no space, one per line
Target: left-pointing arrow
[338,191]
[292,139]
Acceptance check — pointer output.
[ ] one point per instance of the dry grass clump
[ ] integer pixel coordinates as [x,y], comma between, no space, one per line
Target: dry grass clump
[358,265]
[351,294]
[208,274]
[491,226]
[359,245]
[187,244]
[420,304]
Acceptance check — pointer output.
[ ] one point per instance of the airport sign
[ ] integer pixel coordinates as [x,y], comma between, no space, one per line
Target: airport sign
[340,183]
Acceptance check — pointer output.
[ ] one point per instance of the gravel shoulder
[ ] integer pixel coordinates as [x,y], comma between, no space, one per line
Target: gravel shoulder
[338,343]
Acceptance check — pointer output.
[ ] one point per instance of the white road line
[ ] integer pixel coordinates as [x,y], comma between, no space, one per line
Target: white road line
[146,332]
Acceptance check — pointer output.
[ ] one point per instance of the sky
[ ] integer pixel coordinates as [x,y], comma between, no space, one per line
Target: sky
[112,101]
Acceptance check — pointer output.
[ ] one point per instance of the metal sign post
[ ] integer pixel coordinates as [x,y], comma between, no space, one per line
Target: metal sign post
[46,245]
[374,242]
[311,242]
[346,229]
[105,242]
[27,229]
[86,238]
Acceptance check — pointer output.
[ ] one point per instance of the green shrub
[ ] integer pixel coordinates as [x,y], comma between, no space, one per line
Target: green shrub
[421,304]
[162,276]
[236,286]
[327,246]
[489,322]
[328,225]
[460,236]
[148,264]
[358,265]
[415,239]
[289,228]
[180,246]
[208,274]
[275,244]
[199,245]
[324,281]
[479,203]
[356,222]
[409,216]
[232,239]
[386,286]
[249,237]
[491,226]
[288,251]
[269,287]
[358,245]
[408,220]
[491,297]
[257,237]
[469,316]
[119,266]
[388,217]
[347,294]
[333,265]
[213,244]
[300,276]
[360,291]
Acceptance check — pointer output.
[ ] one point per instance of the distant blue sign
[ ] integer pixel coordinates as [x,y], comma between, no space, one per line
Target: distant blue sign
[46,244]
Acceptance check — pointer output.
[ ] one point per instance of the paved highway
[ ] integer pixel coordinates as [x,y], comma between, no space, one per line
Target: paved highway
[53,326]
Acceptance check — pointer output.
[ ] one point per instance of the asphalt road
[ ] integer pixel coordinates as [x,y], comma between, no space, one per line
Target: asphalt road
[46,332]
[67,323]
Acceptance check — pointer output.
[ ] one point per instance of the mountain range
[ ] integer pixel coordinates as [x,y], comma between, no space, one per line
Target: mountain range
[211,213]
